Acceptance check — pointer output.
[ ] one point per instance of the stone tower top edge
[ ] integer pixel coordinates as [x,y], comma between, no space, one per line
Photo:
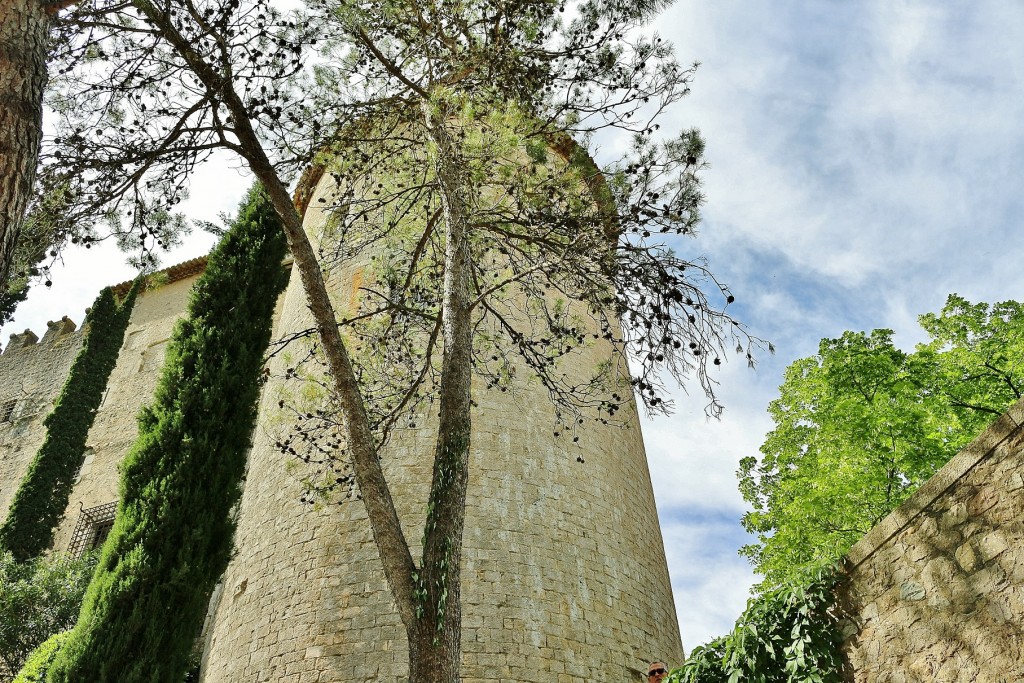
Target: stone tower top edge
[55,330]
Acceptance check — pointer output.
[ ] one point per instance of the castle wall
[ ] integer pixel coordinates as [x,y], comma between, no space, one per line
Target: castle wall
[936,590]
[31,378]
[564,572]
[130,386]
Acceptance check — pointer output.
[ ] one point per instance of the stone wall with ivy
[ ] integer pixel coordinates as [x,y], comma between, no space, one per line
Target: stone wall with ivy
[936,590]
[131,385]
[32,372]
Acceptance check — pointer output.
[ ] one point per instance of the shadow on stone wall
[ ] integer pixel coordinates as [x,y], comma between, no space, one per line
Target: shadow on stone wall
[935,592]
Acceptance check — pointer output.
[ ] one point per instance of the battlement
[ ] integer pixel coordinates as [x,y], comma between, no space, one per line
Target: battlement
[54,330]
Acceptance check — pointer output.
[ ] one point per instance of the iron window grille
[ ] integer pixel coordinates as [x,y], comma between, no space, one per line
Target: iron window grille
[92,529]
[7,410]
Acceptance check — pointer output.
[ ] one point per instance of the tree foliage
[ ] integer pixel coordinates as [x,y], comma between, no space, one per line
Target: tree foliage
[38,663]
[788,634]
[171,539]
[38,598]
[862,424]
[44,491]
[483,114]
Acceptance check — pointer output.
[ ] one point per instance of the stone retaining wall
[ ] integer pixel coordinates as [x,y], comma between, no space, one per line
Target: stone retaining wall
[936,590]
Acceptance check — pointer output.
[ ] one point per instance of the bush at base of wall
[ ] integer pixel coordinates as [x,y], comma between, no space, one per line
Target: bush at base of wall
[38,599]
[787,634]
[39,662]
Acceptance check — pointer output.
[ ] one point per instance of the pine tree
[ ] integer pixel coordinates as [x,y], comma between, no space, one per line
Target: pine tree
[171,540]
[43,494]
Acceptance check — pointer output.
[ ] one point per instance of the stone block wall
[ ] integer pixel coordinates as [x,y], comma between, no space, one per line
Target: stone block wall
[935,592]
[131,384]
[564,572]
[32,373]
[564,568]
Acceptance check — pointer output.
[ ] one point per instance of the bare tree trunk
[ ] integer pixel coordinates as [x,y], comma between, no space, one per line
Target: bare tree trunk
[24,34]
[435,642]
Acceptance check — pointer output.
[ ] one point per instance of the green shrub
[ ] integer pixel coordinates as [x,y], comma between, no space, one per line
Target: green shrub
[39,662]
[171,539]
[37,599]
[786,635]
[42,497]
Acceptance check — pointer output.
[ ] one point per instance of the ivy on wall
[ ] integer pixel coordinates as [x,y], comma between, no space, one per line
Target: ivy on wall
[787,635]
[43,494]
[171,540]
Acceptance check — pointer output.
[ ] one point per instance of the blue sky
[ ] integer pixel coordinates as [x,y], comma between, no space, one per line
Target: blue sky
[867,160]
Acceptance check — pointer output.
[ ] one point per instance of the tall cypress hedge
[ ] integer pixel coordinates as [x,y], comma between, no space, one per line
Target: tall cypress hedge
[172,537]
[43,493]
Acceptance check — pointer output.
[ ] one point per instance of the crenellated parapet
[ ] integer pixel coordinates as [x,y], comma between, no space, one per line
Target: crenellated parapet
[57,329]
[32,372]
[54,330]
[20,341]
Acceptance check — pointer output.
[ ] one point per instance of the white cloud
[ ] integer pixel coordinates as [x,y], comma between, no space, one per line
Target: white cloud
[710,581]
[866,161]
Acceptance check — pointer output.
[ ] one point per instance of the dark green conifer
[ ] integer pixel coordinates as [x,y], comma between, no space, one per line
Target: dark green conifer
[43,494]
[171,540]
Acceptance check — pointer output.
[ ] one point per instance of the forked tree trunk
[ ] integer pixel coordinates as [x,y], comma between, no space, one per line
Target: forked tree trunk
[435,639]
[387,531]
[24,34]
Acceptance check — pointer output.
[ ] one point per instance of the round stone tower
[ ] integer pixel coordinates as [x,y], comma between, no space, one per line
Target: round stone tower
[564,575]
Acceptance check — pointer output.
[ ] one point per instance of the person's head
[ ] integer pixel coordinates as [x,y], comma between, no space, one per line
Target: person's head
[656,671]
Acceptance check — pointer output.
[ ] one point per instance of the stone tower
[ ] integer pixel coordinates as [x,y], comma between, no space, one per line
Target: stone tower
[564,574]
[564,571]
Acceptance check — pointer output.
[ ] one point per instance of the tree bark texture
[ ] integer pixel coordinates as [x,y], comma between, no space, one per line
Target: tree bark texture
[24,35]
[435,642]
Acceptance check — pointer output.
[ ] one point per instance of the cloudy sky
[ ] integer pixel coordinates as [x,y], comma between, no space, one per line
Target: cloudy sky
[867,160]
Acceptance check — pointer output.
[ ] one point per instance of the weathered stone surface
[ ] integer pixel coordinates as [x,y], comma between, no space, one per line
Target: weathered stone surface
[967,558]
[911,590]
[31,377]
[131,384]
[941,581]
[564,572]
[992,545]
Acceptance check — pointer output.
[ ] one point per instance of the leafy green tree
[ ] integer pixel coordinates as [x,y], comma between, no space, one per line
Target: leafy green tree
[44,491]
[171,539]
[38,599]
[788,634]
[862,424]
[979,353]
